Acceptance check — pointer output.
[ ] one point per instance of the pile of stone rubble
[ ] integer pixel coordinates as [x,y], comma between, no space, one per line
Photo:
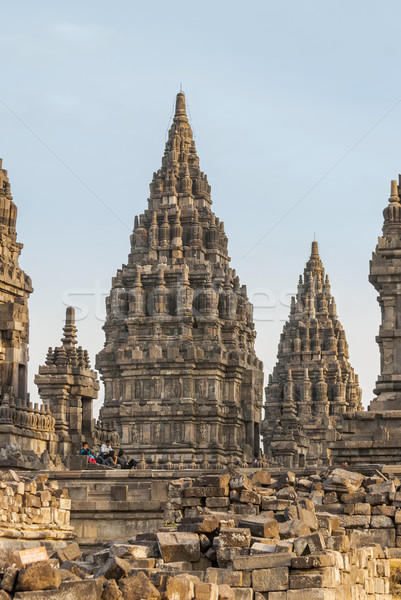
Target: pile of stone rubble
[228,537]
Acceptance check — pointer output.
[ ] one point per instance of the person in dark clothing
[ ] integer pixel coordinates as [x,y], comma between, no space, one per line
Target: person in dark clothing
[111,460]
[123,461]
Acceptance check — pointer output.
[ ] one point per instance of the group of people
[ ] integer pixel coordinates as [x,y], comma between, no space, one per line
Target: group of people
[107,456]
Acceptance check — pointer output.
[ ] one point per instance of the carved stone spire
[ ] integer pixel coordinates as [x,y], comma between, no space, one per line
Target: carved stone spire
[314,348]
[184,309]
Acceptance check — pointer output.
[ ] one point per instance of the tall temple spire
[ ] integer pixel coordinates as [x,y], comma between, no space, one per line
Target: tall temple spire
[385,276]
[161,335]
[315,350]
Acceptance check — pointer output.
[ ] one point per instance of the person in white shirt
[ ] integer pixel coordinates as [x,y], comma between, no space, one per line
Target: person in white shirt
[105,449]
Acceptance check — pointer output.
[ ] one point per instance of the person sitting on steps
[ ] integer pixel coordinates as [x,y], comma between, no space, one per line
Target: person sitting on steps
[123,461]
[111,460]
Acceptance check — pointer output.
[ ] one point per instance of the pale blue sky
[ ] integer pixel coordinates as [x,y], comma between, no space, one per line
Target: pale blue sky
[278,94]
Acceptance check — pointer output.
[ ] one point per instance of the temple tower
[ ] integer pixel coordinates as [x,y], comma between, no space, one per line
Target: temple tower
[385,275]
[313,383]
[15,288]
[179,367]
[68,386]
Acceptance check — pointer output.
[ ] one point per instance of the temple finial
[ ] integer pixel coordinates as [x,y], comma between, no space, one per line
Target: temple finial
[69,328]
[394,192]
[315,250]
[180,109]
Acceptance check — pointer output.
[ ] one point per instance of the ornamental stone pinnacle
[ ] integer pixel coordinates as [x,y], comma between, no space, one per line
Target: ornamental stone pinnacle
[179,367]
[313,383]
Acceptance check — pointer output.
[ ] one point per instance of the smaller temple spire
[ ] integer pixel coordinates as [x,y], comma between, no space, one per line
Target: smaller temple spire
[69,329]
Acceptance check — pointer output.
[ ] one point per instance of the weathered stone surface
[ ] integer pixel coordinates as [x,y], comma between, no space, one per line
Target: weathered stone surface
[179,546]
[225,592]
[206,591]
[114,568]
[180,587]
[233,537]
[9,579]
[309,544]
[264,561]
[38,576]
[111,591]
[328,577]
[269,580]
[381,522]
[311,594]
[138,587]
[343,481]
[293,528]
[261,526]
[91,589]
[70,552]
[131,551]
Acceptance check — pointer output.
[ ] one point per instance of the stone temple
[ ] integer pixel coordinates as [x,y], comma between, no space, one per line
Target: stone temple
[313,383]
[179,367]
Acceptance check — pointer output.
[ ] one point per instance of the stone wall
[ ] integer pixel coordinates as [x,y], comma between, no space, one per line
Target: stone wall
[32,511]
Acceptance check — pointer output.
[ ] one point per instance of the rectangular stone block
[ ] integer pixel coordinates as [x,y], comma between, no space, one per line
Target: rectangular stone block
[243,593]
[204,492]
[217,502]
[249,496]
[311,594]
[384,537]
[179,546]
[270,580]
[262,561]
[223,576]
[233,537]
[260,526]
[328,577]
[354,521]
[90,589]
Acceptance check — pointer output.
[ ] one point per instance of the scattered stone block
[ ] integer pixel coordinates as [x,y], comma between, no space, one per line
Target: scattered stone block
[225,592]
[262,561]
[177,546]
[180,587]
[381,522]
[269,580]
[111,591]
[309,544]
[38,576]
[233,537]
[261,526]
[206,591]
[327,577]
[292,529]
[114,568]
[9,579]
[138,587]
[90,589]
[343,481]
